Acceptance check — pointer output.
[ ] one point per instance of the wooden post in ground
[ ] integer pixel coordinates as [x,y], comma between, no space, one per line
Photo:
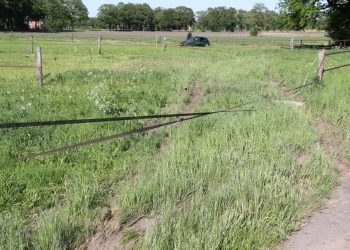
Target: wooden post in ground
[321,58]
[292,43]
[156,40]
[32,44]
[99,42]
[165,44]
[39,67]
[72,37]
[301,43]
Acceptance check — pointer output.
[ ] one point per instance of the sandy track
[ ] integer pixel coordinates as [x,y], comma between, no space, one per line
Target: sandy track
[328,229]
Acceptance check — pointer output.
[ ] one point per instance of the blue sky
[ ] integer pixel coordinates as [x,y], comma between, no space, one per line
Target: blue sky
[196,5]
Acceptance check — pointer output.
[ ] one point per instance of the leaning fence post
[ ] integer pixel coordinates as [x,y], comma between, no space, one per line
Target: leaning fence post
[39,67]
[32,44]
[321,58]
[99,42]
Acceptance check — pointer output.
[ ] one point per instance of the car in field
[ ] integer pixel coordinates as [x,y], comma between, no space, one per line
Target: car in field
[196,41]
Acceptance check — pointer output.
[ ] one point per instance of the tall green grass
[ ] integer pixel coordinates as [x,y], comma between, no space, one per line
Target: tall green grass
[226,181]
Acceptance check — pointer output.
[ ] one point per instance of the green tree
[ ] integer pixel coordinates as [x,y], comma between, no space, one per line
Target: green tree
[165,19]
[242,20]
[217,19]
[184,17]
[77,12]
[56,14]
[334,14]
[108,15]
[14,13]
[136,16]
[257,18]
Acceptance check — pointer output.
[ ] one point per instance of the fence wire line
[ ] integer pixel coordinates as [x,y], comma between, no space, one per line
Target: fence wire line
[336,53]
[111,137]
[337,67]
[9,66]
[110,119]
[308,73]
[145,129]
[141,130]
[337,59]
[104,139]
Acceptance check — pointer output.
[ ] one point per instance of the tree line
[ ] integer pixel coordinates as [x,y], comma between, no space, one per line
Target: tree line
[57,15]
[142,17]
[333,14]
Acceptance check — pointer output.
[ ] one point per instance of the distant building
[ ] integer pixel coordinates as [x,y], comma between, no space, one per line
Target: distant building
[36,25]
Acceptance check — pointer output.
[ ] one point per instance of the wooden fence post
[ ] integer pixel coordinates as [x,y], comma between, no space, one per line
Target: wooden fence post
[292,43]
[39,67]
[32,44]
[165,44]
[321,58]
[99,42]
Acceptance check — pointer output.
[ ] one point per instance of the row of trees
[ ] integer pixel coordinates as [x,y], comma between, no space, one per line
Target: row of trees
[56,14]
[230,19]
[332,15]
[141,17]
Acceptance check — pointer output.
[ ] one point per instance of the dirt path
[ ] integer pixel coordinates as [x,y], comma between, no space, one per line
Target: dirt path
[328,229]
[110,234]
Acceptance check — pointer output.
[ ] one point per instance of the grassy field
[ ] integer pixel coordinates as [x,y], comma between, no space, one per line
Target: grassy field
[226,181]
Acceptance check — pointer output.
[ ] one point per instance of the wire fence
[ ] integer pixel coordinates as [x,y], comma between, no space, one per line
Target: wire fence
[181,117]
[188,116]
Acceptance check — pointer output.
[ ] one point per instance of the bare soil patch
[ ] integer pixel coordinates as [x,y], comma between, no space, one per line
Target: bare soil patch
[114,238]
[329,228]
[111,234]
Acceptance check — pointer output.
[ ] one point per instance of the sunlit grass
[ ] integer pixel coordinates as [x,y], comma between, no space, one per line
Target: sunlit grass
[225,181]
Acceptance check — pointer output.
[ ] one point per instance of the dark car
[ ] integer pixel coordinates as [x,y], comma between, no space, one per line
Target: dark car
[196,41]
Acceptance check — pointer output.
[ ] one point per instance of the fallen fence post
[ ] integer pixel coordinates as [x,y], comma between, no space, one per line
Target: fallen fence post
[99,42]
[39,66]
[321,58]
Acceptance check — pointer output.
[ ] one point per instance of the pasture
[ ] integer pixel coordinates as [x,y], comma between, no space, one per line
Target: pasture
[241,180]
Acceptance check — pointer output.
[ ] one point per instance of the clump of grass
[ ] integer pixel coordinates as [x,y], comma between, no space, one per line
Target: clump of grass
[130,235]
